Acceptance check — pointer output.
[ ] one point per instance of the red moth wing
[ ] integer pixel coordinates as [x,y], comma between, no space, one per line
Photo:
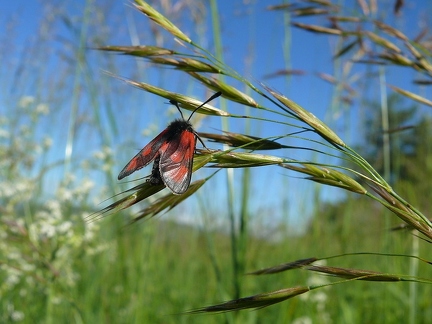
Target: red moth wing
[145,156]
[176,160]
[172,152]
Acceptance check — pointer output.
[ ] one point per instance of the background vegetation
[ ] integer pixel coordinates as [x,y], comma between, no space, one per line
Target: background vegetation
[58,267]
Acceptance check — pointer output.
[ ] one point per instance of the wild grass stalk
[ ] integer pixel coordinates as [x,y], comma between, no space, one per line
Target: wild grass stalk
[238,230]
[80,57]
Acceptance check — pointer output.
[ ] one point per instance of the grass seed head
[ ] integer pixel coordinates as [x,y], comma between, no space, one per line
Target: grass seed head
[382,41]
[309,118]
[390,30]
[141,51]
[161,20]
[285,266]
[247,142]
[228,91]
[184,101]
[255,301]
[349,273]
[243,160]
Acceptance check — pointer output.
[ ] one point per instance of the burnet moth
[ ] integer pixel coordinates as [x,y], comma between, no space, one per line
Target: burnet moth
[172,152]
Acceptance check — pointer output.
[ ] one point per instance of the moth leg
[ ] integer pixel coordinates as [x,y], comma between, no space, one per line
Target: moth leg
[201,141]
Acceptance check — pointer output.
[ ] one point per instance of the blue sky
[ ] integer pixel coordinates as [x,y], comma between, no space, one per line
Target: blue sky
[253,40]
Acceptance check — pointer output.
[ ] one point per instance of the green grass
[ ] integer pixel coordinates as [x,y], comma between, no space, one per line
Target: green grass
[153,271]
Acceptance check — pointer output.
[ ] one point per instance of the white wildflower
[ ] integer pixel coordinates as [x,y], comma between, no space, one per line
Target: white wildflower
[14,255]
[25,130]
[47,230]
[26,101]
[107,150]
[302,320]
[20,222]
[7,189]
[97,249]
[55,209]
[69,179]
[56,300]
[98,155]
[43,215]
[17,316]
[47,142]
[28,267]
[320,297]
[64,227]
[63,252]
[317,280]
[42,109]
[30,281]
[65,194]
[85,165]
[105,154]
[37,149]
[13,277]
[4,133]
[86,185]
[90,229]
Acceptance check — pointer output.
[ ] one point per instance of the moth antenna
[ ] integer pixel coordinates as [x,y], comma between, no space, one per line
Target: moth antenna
[175,103]
[217,94]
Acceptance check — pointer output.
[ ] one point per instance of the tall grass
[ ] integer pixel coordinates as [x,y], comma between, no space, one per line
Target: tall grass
[57,267]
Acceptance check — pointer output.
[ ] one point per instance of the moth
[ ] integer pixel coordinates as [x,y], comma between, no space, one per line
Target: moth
[172,152]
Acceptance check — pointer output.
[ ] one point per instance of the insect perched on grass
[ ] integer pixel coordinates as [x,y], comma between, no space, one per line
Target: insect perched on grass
[172,152]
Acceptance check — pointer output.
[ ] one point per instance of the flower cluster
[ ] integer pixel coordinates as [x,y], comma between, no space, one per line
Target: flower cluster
[42,234]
